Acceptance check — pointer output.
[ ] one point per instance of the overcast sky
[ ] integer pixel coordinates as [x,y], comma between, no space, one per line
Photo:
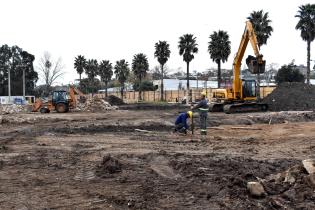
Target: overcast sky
[118,29]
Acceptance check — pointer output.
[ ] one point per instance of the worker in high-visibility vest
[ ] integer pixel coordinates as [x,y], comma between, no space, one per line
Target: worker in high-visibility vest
[203,108]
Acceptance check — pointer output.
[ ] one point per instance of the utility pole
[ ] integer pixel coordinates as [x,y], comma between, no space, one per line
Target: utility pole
[23,83]
[9,80]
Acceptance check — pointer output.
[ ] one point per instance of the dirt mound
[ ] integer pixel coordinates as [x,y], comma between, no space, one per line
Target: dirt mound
[114,100]
[292,96]
[95,105]
[108,166]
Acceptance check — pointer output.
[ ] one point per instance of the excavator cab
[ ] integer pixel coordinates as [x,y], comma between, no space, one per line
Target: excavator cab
[256,65]
[249,88]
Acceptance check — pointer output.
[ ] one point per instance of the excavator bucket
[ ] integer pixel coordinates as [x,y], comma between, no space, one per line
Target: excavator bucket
[255,66]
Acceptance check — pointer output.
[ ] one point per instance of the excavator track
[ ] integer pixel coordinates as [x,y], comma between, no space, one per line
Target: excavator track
[216,107]
[245,107]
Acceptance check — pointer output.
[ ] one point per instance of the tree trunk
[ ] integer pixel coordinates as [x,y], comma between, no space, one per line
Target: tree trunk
[106,84]
[140,97]
[122,91]
[308,71]
[219,73]
[188,95]
[162,85]
[80,79]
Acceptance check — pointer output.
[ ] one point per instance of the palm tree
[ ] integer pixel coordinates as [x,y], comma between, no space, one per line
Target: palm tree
[91,70]
[140,66]
[260,22]
[106,73]
[122,73]
[187,47]
[80,64]
[219,48]
[162,53]
[306,25]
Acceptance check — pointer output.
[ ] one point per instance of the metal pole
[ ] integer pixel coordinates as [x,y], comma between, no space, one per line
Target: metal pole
[24,83]
[9,81]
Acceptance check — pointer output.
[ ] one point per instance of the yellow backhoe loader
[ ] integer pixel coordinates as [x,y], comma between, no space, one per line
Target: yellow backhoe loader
[61,101]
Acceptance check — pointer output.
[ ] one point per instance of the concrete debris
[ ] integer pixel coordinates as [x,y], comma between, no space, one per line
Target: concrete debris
[13,109]
[283,117]
[311,179]
[309,165]
[15,119]
[95,105]
[255,189]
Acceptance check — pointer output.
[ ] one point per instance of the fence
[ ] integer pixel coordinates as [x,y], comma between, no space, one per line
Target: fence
[171,95]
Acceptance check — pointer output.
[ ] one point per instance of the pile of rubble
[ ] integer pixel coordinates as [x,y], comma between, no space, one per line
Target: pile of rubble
[95,105]
[294,187]
[13,109]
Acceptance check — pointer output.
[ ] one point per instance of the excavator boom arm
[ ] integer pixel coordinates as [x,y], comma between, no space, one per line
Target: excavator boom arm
[248,36]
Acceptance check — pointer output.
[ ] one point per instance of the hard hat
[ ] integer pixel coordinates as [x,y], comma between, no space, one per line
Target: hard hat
[190,114]
[203,93]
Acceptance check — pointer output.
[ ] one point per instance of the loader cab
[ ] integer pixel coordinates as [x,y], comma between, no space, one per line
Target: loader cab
[59,97]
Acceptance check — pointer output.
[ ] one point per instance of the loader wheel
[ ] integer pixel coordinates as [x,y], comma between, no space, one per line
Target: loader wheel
[44,110]
[61,108]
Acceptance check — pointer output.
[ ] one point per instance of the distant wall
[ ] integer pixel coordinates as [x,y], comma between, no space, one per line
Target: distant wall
[171,95]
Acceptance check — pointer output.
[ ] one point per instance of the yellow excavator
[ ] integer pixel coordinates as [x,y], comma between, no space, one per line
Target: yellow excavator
[61,101]
[242,96]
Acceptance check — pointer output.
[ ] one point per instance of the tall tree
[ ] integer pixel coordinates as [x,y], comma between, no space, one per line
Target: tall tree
[50,70]
[140,66]
[106,73]
[261,25]
[80,64]
[16,60]
[162,53]
[219,48]
[122,73]
[306,25]
[92,71]
[187,47]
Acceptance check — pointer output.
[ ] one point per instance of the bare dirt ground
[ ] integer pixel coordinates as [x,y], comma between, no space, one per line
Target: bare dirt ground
[99,161]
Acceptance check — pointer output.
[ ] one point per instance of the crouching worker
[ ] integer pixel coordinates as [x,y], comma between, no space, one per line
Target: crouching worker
[181,125]
[203,108]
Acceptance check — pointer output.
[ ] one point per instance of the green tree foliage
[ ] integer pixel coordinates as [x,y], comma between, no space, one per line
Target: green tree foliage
[80,64]
[92,70]
[140,66]
[306,25]
[289,73]
[187,47]
[219,48]
[162,53]
[16,60]
[261,25]
[88,86]
[106,73]
[145,86]
[122,73]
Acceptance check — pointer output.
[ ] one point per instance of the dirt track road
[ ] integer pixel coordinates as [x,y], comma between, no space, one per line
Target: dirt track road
[99,161]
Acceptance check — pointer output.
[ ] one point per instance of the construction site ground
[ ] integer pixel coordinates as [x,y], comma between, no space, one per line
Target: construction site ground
[122,159]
